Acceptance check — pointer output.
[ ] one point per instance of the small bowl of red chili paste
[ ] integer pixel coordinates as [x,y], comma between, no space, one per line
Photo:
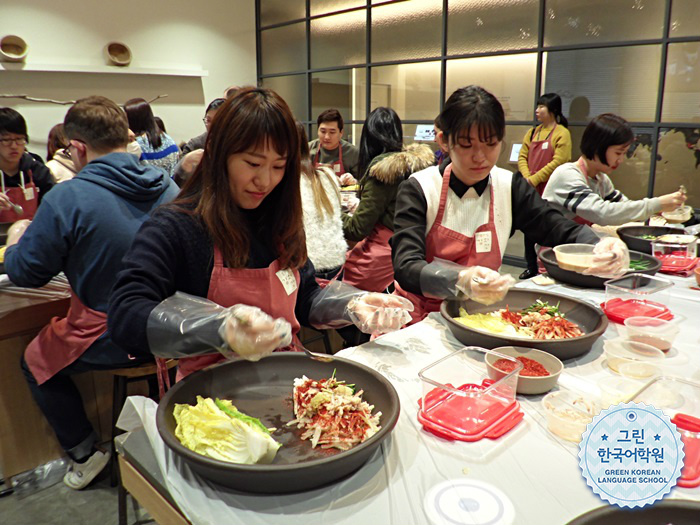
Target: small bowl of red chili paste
[540,371]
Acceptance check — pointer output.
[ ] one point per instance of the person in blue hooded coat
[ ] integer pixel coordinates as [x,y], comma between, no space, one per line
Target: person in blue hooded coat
[83,228]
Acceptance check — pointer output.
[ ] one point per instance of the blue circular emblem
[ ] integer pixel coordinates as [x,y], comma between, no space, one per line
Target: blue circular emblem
[631,455]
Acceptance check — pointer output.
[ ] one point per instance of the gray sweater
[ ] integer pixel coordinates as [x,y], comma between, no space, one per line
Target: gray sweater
[594,199]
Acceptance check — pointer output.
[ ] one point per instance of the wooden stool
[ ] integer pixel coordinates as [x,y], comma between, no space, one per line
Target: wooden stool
[121,379]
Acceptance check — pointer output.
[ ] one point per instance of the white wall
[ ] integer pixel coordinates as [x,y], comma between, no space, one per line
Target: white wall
[213,35]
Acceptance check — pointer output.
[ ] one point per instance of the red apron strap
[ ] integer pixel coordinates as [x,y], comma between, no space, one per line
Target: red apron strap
[163,376]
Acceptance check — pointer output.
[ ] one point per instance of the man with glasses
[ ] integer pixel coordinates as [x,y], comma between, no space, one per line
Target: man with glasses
[83,229]
[25,179]
[193,150]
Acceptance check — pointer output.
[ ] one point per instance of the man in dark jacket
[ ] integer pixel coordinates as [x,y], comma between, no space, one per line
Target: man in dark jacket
[83,228]
[25,179]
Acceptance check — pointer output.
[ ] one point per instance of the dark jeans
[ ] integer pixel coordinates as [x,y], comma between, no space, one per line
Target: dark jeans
[61,403]
[530,254]
[329,274]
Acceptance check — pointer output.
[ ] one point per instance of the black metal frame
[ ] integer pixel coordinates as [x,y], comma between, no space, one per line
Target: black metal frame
[654,127]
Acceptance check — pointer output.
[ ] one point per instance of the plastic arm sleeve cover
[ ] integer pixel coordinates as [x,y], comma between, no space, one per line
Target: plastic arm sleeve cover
[184,325]
[438,279]
[329,307]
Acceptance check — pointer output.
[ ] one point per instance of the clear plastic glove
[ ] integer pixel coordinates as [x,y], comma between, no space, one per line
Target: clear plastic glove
[353,202]
[346,179]
[253,334]
[672,201]
[379,313]
[611,258]
[484,285]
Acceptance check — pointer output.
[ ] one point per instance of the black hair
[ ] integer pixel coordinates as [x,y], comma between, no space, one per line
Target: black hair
[12,121]
[161,124]
[381,133]
[215,104]
[552,102]
[602,132]
[330,115]
[472,106]
[140,116]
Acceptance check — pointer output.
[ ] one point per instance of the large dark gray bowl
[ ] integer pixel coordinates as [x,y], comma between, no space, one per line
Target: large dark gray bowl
[677,512]
[630,236]
[590,319]
[264,390]
[549,261]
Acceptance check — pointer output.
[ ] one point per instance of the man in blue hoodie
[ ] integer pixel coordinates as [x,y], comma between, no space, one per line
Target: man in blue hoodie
[83,228]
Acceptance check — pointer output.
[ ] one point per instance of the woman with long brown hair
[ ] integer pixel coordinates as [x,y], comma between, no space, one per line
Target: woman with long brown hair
[157,147]
[234,236]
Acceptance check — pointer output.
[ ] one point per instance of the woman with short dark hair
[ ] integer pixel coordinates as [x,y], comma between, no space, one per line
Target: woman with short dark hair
[583,191]
[224,266]
[451,227]
[385,164]
[157,147]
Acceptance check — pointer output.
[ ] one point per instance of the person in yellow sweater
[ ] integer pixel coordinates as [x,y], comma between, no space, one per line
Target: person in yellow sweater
[545,147]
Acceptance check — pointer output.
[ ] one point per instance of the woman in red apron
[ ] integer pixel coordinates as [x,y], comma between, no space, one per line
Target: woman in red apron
[452,227]
[385,164]
[544,148]
[223,270]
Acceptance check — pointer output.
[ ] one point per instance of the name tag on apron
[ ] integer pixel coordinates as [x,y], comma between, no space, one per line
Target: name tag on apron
[287,279]
[336,168]
[28,193]
[545,145]
[483,242]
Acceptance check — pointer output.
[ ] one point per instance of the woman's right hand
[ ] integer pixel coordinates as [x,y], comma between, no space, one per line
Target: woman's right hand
[672,201]
[253,334]
[484,285]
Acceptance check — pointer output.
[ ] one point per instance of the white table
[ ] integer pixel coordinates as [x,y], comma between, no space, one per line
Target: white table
[536,473]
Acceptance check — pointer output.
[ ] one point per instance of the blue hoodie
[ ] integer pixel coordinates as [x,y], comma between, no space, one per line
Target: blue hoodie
[84,227]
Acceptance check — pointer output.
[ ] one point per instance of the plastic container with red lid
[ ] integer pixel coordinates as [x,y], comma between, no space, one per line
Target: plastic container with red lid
[680,400]
[460,402]
[637,294]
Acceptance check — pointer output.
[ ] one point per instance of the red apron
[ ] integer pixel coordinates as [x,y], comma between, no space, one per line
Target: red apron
[582,166]
[368,265]
[25,195]
[443,243]
[336,166]
[259,287]
[64,340]
[540,154]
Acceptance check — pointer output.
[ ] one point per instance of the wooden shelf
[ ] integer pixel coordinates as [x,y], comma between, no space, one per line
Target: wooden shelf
[62,68]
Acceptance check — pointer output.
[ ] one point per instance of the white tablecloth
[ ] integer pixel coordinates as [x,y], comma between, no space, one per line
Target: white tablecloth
[528,476]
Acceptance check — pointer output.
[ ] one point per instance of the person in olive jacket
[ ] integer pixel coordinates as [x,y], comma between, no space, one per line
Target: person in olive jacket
[384,163]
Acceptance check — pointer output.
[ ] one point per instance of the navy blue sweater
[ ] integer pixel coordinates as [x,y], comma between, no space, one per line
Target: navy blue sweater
[174,252]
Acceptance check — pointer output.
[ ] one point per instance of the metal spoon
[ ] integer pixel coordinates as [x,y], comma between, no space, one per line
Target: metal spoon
[17,209]
[313,355]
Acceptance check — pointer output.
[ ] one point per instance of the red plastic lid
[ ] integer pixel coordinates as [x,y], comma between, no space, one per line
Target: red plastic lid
[468,418]
[619,309]
[677,263]
[690,475]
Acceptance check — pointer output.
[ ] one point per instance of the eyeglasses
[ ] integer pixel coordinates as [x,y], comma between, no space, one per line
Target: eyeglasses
[21,141]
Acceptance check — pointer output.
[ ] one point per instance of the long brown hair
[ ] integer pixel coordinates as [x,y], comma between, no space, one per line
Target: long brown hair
[253,117]
[321,201]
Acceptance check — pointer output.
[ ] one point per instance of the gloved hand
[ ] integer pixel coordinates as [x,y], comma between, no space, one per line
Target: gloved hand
[484,285]
[611,258]
[346,179]
[253,334]
[379,313]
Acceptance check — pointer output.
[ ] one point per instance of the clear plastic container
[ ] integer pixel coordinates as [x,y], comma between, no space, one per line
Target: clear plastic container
[574,257]
[677,245]
[680,400]
[459,401]
[681,214]
[568,413]
[653,331]
[621,351]
[616,390]
[637,294]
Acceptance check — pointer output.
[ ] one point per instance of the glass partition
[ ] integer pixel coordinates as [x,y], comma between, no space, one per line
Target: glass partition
[345,90]
[283,49]
[278,11]
[413,90]
[685,18]
[678,162]
[292,89]
[682,88]
[321,7]
[407,30]
[511,78]
[338,40]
